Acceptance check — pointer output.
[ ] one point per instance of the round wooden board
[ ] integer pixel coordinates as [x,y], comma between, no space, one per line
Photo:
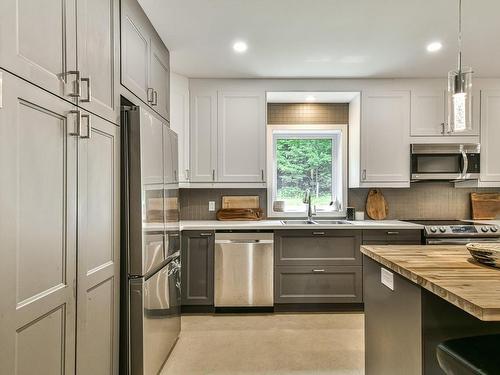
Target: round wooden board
[376,205]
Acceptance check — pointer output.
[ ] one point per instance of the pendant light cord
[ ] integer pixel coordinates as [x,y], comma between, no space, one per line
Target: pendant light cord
[459,36]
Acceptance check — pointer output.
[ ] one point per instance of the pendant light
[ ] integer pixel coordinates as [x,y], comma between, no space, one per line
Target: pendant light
[460,89]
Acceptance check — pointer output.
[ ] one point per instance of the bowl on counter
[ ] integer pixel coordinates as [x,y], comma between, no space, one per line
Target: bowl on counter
[487,253]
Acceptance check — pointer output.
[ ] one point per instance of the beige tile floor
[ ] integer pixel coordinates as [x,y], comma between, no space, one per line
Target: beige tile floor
[269,344]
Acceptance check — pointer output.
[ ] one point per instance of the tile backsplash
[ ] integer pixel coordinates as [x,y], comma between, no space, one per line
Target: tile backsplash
[436,200]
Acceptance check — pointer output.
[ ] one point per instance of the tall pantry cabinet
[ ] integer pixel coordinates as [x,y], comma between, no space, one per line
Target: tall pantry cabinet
[59,176]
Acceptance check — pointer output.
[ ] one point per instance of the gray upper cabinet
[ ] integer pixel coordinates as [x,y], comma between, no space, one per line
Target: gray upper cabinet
[38,43]
[98,248]
[38,228]
[98,56]
[197,262]
[145,68]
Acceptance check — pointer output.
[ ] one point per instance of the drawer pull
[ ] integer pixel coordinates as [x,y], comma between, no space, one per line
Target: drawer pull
[392,233]
[318,270]
[205,234]
[318,233]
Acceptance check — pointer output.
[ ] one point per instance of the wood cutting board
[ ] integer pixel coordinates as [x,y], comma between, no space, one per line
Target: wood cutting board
[376,205]
[240,201]
[485,206]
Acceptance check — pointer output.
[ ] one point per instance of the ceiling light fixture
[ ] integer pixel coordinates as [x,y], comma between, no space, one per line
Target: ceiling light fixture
[434,46]
[310,98]
[240,47]
[460,89]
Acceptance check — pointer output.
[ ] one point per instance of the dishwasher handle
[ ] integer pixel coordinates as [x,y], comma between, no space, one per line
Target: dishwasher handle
[236,242]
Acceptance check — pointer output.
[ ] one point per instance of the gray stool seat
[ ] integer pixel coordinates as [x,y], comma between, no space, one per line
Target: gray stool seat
[476,355]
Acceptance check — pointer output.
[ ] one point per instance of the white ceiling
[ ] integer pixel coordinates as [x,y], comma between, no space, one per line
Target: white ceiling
[326,38]
[310,96]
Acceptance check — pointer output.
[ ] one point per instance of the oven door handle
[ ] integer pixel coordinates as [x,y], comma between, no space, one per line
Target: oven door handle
[457,241]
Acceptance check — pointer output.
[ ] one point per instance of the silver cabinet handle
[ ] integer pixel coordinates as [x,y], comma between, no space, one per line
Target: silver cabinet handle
[154,102]
[78,132]
[88,99]
[205,234]
[318,270]
[89,127]
[150,94]
[262,174]
[76,83]
[443,125]
[392,233]
[318,233]
[363,175]
[213,174]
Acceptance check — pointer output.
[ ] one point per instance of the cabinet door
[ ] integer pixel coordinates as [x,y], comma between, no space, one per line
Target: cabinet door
[98,248]
[135,50]
[385,121]
[197,262]
[98,46]
[318,284]
[160,78]
[38,42]
[428,112]
[203,136]
[241,130]
[170,156]
[490,135]
[38,165]
[179,122]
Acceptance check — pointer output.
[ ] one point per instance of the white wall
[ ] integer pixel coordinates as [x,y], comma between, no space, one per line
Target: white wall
[179,119]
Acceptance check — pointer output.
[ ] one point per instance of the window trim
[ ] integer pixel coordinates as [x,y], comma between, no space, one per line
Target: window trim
[271,173]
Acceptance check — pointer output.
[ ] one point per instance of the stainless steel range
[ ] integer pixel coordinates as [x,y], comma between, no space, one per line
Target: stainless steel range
[457,232]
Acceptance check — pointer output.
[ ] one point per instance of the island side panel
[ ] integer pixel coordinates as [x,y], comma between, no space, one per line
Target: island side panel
[393,340]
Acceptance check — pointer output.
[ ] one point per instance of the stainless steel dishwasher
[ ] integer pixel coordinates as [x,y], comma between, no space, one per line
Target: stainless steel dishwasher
[243,269]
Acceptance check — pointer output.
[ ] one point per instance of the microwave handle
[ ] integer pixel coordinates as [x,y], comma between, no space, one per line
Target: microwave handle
[466,163]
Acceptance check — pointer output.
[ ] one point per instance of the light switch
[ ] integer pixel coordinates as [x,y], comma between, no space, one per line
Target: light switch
[211,206]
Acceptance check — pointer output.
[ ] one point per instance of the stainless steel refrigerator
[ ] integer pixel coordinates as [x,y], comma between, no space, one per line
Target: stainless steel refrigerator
[151,242]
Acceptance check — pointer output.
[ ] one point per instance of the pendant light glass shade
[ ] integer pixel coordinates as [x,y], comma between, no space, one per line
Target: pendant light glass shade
[460,100]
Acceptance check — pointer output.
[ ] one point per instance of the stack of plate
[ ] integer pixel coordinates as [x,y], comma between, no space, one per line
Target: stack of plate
[487,253]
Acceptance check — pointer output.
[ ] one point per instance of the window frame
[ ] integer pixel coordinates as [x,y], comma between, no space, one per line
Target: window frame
[272,131]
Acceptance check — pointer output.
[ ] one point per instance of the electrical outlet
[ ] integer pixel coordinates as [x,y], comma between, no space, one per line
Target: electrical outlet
[211,206]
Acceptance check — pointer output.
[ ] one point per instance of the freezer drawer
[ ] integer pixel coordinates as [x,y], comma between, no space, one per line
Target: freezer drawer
[243,269]
[154,318]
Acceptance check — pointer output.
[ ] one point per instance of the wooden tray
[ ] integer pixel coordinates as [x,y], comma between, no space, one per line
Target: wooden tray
[241,201]
[485,206]
[253,214]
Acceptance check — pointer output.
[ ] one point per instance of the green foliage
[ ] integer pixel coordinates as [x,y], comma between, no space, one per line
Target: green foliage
[304,164]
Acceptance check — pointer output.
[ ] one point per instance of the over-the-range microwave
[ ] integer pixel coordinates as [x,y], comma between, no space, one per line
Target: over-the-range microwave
[445,162]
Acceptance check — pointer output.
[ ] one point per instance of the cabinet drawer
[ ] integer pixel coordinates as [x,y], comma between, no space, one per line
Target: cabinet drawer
[313,284]
[392,236]
[317,247]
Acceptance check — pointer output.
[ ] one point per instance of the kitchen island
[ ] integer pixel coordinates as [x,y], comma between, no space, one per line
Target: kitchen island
[417,296]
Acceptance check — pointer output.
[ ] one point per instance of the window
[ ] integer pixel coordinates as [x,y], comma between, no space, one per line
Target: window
[307,157]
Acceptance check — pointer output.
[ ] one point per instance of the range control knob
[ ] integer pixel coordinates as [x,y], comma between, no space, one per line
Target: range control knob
[442,229]
[433,229]
[484,229]
[494,229]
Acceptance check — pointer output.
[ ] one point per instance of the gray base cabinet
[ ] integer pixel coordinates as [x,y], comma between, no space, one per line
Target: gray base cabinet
[392,237]
[197,268]
[317,266]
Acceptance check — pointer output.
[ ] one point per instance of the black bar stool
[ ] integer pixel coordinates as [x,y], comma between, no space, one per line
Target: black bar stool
[476,355]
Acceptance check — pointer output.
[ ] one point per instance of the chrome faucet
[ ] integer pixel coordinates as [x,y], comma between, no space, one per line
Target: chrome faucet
[307,200]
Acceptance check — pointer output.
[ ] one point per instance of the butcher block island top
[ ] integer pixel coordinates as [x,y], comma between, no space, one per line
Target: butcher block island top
[447,271]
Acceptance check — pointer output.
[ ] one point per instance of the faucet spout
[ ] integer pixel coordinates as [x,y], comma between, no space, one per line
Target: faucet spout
[307,200]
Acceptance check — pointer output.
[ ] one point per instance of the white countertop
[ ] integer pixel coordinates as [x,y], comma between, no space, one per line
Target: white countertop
[277,224]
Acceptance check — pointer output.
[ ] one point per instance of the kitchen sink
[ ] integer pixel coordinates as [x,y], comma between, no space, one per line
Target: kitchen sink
[298,222]
[314,222]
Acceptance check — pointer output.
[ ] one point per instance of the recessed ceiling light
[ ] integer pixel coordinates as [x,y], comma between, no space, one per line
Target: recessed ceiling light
[310,98]
[240,47]
[434,46]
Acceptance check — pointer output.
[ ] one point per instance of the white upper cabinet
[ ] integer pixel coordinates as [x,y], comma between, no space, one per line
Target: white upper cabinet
[490,136]
[428,113]
[98,54]
[38,43]
[385,143]
[179,121]
[144,59]
[241,131]
[203,136]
